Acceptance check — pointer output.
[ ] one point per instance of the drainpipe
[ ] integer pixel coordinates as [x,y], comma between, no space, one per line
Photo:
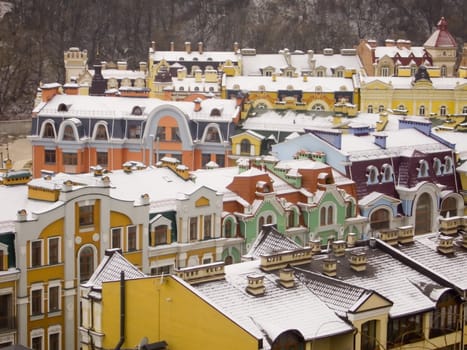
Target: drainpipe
[122,310]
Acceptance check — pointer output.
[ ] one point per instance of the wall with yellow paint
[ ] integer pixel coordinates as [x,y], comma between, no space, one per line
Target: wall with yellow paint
[167,309]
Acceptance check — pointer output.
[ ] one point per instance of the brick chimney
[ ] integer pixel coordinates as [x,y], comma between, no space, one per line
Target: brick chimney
[188,47]
[49,91]
[172,46]
[256,285]
[200,47]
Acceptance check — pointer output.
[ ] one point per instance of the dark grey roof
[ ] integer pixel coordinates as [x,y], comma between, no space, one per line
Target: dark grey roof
[409,290]
[450,267]
[270,241]
[339,296]
[278,310]
[110,269]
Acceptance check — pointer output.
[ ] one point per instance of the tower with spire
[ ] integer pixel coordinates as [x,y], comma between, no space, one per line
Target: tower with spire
[443,48]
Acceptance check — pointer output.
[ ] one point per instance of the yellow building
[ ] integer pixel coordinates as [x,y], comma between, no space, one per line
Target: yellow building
[426,96]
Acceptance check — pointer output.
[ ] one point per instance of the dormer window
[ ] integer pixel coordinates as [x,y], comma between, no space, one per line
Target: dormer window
[380,108]
[371,175]
[447,165]
[215,112]
[422,169]
[370,109]
[442,111]
[101,132]
[62,107]
[49,131]
[387,173]
[437,167]
[212,134]
[137,110]
[68,133]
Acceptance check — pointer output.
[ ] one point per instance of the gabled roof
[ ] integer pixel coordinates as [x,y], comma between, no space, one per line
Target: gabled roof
[270,241]
[340,296]
[110,269]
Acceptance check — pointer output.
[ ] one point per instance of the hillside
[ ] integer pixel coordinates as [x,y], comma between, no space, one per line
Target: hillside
[35,33]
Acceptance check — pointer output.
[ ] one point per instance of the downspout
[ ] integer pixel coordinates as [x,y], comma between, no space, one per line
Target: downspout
[122,310]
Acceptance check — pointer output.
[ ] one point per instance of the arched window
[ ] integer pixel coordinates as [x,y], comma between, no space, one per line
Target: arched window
[380,108]
[448,207]
[330,215]
[68,133]
[422,168]
[464,110]
[423,214]
[322,216]
[437,167]
[269,219]
[49,131]
[379,219]
[317,107]
[86,263]
[442,111]
[387,173]
[212,135]
[448,165]
[290,340]
[421,110]
[260,223]
[196,88]
[245,146]
[371,175]
[370,108]
[101,132]
[137,110]
[62,107]
[227,228]
[181,88]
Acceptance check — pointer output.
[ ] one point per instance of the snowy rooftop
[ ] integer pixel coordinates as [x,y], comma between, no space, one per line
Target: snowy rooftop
[327,84]
[121,74]
[391,51]
[121,107]
[216,56]
[278,310]
[445,83]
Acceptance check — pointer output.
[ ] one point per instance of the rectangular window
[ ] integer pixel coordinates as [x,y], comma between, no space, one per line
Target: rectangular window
[207,227]
[36,302]
[86,215]
[206,158]
[7,320]
[161,234]
[36,253]
[131,235]
[50,156]
[54,298]
[175,134]
[54,341]
[116,237]
[54,250]
[102,158]
[193,229]
[134,131]
[220,160]
[70,159]
[2,265]
[161,270]
[36,343]
[161,133]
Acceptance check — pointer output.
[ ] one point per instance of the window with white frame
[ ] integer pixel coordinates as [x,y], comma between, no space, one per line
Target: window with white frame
[36,300]
[385,71]
[37,339]
[207,226]
[55,336]
[437,166]
[421,110]
[380,108]
[193,228]
[132,241]
[422,168]
[116,237]
[464,110]
[448,165]
[371,175]
[54,297]
[370,109]
[54,250]
[442,111]
[36,253]
[387,173]
[327,215]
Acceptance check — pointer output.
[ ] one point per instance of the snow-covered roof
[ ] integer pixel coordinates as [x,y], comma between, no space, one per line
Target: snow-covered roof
[326,84]
[193,56]
[109,107]
[446,83]
[391,51]
[121,74]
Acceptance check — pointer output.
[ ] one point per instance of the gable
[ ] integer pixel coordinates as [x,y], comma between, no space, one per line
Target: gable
[377,85]
[371,302]
[202,202]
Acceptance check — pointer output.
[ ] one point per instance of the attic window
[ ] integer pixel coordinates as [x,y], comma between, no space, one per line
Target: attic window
[422,169]
[372,175]
[62,107]
[181,59]
[387,173]
[447,165]
[137,110]
[215,112]
[195,58]
[209,59]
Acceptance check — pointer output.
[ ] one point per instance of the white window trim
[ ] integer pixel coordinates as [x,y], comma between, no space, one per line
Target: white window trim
[128,239]
[34,287]
[55,329]
[48,121]
[35,333]
[383,173]
[372,170]
[42,252]
[112,235]
[59,249]
[448,161]
[215,126]
[53,284]
[94,133]
[426,174]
